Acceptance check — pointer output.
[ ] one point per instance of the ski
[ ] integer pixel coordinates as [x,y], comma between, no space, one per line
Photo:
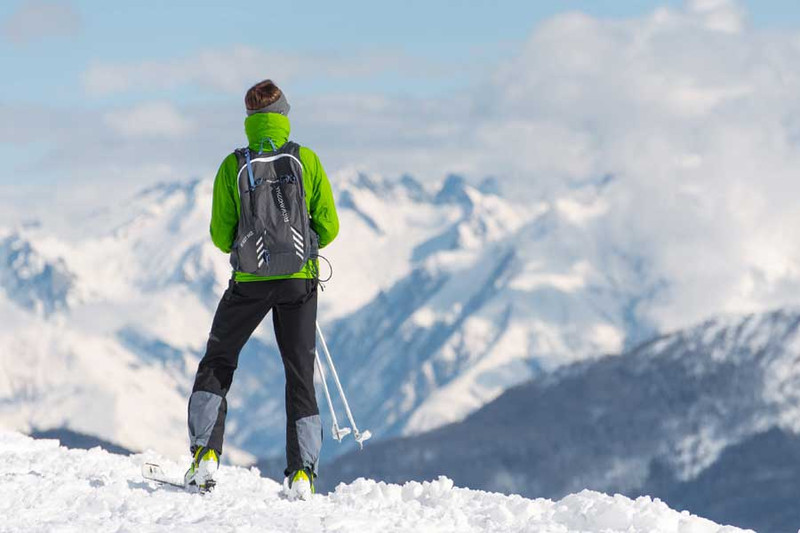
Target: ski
[154,472]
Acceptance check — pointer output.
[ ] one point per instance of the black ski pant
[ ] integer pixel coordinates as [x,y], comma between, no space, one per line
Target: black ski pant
[244,305]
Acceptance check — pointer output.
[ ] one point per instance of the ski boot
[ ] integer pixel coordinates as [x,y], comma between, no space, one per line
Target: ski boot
[201,472]
[299,485]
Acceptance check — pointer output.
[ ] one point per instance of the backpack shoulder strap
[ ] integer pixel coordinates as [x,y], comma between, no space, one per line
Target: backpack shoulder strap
[291,147]
[244,153]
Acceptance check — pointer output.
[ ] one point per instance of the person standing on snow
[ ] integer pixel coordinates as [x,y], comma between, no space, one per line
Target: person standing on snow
[272,209]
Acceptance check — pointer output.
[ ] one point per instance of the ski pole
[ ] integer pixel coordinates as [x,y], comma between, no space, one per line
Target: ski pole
[360,437]
[338,433]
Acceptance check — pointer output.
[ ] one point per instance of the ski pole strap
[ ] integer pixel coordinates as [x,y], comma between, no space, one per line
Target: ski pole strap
[249,168]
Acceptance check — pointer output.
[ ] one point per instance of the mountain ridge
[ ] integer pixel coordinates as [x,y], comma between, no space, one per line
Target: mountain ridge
[675,409]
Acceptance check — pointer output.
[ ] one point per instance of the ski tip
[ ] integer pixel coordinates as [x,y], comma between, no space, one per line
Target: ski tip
[154,472]
[149,469]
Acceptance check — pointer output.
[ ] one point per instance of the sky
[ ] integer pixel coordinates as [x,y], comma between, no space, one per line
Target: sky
[419,47]
[143,73]
[692,106]
[443,32]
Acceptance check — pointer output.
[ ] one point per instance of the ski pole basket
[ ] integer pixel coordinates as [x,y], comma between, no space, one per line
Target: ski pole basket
[339,433]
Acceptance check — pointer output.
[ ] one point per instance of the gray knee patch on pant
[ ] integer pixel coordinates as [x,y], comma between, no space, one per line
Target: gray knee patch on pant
[203,413]
[309,437]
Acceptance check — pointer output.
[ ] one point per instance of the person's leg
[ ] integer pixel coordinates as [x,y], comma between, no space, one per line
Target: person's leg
[240,311]
[294,317]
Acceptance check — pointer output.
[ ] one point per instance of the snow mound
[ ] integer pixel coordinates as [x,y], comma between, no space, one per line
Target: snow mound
[50,488]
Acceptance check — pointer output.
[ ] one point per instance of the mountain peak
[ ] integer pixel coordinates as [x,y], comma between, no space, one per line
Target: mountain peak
[490,185]
[32,281]
[414,188]
[167,188]
[454,191]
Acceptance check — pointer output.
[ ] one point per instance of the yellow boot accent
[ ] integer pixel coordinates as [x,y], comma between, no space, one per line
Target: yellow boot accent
[300,474]
[295,486]
[210,455]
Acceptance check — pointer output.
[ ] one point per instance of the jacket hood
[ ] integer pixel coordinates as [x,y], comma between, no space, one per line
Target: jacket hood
[263,127]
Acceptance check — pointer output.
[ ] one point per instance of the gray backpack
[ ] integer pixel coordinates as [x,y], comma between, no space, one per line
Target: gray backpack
[274,236]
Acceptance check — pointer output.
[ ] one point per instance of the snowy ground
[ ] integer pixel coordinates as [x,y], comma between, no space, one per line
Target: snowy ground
[48,488]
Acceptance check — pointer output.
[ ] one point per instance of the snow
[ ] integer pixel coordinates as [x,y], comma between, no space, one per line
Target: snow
[50,488]
[531,278]
[579,213]
[382,223]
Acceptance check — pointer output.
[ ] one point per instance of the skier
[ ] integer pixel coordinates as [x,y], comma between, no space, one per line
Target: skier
[243,211]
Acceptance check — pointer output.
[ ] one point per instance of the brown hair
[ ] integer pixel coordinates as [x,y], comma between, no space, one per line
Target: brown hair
[261,95]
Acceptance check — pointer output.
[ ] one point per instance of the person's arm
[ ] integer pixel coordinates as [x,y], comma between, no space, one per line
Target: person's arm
[224,205]
[324,220]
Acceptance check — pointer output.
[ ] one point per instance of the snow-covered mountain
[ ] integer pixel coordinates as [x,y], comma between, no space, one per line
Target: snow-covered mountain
[505,292]
[656,420]
[444,295]
[48,488]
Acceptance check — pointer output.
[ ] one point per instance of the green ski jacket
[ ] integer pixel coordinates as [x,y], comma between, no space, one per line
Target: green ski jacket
[319,198]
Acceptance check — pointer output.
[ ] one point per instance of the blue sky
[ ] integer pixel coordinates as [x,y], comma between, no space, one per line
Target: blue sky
[460,34]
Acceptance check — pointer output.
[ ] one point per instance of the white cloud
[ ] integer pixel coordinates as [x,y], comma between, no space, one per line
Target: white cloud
[233,70]
[37,19]
[151,119]
[719,15]
[698,120]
